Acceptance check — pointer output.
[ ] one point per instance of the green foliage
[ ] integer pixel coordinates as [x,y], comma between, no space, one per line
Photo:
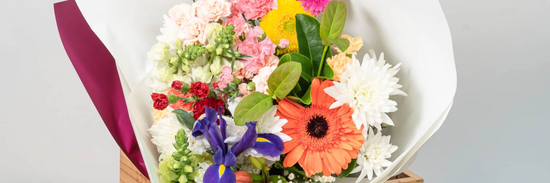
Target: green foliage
[252,107]
[309,41]
[284,79]
[179,167]
[185,118]
[341,43]
[307,65]
[350,168]
[333,20]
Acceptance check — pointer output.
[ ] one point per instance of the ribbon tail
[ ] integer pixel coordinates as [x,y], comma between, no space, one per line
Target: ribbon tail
[97,70]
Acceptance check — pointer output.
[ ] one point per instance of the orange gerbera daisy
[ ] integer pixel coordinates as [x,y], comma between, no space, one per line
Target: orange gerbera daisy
[323,140]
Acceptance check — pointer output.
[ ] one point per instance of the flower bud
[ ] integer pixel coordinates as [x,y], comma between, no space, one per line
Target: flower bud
[243,177]
[226,46]
[174,60]
[219,51]
[180,53]
[179,44]
[210,47]
[283,44]
[173,98]
[259,163]
[186,68]
[251,86]
[182,179]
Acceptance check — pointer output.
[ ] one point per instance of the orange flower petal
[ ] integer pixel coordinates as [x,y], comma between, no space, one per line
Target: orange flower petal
[293,156]
[290,145]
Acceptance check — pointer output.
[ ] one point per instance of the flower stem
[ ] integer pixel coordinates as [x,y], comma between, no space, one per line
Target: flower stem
[322,60]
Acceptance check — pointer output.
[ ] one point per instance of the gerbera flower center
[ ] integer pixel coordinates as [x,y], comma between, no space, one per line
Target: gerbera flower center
[317,127]
[289,25]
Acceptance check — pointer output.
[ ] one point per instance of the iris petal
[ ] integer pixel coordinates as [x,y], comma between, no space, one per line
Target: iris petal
[269,145]
[248,140]
[230,159]
[214,137]
[219,174]
[223,124]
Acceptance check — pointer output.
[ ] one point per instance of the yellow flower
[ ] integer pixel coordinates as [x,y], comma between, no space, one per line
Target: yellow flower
[281,23]
[355,44]
[338,64]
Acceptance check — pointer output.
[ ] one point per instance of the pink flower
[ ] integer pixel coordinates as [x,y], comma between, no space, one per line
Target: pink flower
[193,31]
[257,50]
[212,10]
[242,90]
[283,43]
[254,9]
[181,13]
[273,61]
[243,74]
[238,21]
[226,77]
[261,78]
[314,6]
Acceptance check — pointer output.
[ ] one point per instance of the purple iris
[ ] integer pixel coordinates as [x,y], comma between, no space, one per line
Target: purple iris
[266,144]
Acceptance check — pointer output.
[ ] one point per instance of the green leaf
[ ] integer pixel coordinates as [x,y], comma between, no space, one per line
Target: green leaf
[347,171]
[309,41]
[328,72]
[306,99]
[252,107]
[284,78]
[333,20]
[185,118]
[307,65]
[341,43]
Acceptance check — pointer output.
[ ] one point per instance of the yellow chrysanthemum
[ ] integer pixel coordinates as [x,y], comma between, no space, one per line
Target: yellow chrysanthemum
[281,23]
[355,44]
[338,63]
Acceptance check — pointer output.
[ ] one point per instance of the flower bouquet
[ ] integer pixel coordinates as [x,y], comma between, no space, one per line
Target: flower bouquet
[284,91]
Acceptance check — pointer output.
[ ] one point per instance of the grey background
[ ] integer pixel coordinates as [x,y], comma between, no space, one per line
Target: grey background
[497,130]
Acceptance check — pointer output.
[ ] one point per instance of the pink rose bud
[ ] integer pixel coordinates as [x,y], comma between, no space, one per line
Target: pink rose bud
[283,43]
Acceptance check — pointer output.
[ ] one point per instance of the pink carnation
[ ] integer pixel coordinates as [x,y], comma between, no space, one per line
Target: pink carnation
[238,21]
[226,77]
[261,78]
[314,6]
[257,50]
[181,13]
[254,9]
[212,10]
[243,74]
[192,31]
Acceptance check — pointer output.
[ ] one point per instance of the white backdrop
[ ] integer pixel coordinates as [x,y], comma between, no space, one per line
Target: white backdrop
[497,130]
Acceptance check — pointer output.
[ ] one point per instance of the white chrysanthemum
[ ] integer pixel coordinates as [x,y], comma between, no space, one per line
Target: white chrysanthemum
[373,155]
[164,135]
[169,31]
[197,145]
[367,88]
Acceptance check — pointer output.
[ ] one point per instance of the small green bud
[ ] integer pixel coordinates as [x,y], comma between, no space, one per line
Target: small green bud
[177,165]
[259,163]
[251,86]
[186,55]
[178,44]
[188,169]
[219,51]
[210,47]
[238,54]
[186,68]
[174,60]
[236,80]
[185,87]
[183,158]
[226,46]
[183,179]
[173,99]
[180,52]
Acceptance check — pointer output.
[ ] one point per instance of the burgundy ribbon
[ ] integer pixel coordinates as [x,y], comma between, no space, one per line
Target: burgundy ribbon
[97,70]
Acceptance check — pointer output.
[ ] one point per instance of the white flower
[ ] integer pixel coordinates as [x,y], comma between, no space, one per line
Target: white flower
[211,31]
[170,31]
[269,123]
[231,106]
[373,155]
[216,67]
[203,166]
[164,134]
[367,88]
[201,74]
[197,145]
[291,176]
[160,52]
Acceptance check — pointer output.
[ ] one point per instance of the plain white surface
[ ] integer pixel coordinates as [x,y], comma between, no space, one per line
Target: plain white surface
[496,132]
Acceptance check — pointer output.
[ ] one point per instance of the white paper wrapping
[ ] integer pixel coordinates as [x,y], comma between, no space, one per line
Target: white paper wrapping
[414,33]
